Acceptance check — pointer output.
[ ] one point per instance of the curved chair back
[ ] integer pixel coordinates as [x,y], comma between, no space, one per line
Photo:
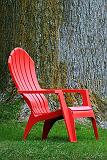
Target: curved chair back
[23,73]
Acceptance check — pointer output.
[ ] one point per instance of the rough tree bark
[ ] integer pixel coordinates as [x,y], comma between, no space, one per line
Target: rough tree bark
[33,25]
[76,29]
[83,43]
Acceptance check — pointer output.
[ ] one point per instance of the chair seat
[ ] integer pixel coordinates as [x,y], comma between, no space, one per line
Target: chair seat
[80,108]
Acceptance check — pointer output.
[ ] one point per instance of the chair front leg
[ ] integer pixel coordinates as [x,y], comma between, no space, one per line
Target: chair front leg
[68,118]
[29,125]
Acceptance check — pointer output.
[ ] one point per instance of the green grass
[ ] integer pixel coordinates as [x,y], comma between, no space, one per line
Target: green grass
[56,147]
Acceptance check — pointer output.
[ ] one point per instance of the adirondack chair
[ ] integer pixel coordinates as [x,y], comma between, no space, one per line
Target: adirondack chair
[23,73]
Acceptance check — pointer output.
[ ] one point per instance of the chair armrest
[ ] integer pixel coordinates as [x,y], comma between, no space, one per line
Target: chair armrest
[74,90]
[47,91]
[84,94]
[41,91]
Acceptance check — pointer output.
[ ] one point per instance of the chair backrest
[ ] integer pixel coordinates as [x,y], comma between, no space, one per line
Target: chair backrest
[23,73]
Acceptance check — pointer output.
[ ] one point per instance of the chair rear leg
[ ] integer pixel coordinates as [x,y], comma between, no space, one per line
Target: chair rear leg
[95,127]
[48,125]
[29,125]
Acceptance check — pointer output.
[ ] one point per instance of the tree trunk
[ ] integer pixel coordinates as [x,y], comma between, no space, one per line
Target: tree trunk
[83,43]
[75,29]
[33,25]
[66,38]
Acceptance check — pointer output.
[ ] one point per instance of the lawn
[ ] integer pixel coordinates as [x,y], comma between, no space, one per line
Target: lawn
[56,147]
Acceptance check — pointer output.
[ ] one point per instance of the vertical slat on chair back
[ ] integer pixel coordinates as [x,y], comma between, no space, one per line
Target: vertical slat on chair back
[23,73]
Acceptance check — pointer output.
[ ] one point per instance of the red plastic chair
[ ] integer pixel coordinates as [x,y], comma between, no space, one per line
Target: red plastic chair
[22,70]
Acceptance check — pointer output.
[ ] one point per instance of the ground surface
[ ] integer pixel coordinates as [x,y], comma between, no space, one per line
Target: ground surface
[57,147]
